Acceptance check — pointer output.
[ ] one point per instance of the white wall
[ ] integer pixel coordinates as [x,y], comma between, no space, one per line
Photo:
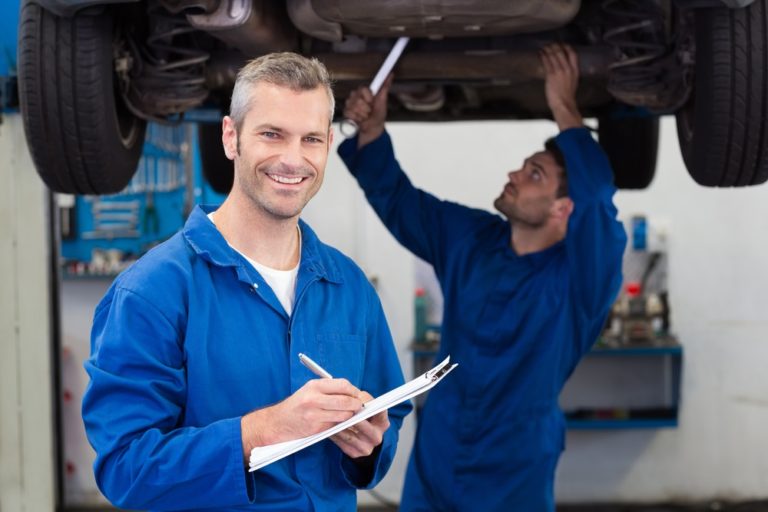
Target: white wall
[717,239]
[26,402]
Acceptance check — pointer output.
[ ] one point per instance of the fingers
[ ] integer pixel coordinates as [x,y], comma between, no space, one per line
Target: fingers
[559,58]
[359,105]
[573,58]
[331,395]
[361,439]
[334,387]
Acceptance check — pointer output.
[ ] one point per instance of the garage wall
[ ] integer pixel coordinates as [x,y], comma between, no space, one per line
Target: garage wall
[717,241]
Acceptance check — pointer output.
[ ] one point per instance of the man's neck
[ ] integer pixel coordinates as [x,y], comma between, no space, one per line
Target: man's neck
[269,241]
[526,240]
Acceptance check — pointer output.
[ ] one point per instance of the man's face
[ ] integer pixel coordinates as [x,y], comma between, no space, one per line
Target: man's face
[530,193]
[283,148]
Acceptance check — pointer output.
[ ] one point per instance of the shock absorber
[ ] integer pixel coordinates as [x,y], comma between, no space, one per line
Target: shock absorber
[166,75]
[646,72]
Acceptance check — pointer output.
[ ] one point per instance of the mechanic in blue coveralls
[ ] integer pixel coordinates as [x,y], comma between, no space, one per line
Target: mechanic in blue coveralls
[524,298]
[194,356]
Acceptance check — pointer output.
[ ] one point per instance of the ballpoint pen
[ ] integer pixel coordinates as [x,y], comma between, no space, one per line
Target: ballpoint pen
[314,367]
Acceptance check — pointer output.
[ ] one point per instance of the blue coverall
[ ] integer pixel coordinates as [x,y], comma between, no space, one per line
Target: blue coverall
[190,338]
[489,438]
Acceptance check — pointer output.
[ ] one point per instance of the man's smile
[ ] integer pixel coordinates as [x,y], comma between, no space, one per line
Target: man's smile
[286,180]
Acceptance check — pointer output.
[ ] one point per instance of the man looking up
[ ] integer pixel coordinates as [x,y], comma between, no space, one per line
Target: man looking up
[194,354]
[524,299]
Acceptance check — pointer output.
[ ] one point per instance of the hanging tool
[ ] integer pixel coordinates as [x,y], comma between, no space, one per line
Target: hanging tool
[348,127]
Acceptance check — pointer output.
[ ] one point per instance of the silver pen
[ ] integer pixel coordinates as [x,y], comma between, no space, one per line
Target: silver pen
[314,367]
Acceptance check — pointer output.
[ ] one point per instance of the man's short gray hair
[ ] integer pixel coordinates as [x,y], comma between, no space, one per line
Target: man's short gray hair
[284,69]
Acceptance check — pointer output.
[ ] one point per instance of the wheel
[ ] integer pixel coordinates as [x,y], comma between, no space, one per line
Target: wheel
[631,144]
[82,138]
[218,170]
[723,129]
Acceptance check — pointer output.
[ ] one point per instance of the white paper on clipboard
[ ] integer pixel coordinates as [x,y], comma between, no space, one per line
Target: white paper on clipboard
[264,455]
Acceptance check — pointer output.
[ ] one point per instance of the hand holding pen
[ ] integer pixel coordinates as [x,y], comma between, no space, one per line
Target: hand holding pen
[318,405]
[360,439]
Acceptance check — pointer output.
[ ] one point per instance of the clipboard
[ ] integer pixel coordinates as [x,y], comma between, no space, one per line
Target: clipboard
[264,455]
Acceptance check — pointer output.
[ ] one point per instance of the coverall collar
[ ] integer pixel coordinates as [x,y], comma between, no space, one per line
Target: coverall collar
[203,237]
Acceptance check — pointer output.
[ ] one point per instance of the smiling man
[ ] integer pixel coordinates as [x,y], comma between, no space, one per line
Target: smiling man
[194,350]
[525,297]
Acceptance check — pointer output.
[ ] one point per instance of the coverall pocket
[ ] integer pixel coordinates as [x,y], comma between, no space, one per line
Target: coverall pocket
[342,355]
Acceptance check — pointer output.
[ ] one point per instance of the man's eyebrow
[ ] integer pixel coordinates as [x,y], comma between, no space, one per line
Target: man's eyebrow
[277,129]
[267,127]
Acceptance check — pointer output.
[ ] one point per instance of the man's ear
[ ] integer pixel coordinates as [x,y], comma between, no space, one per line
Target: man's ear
[229,137]
[562,207]
[330,137]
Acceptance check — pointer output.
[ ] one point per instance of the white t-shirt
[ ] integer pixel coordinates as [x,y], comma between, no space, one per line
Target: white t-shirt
[282,282]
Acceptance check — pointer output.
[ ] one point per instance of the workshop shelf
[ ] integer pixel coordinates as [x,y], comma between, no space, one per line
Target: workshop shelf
[634,386]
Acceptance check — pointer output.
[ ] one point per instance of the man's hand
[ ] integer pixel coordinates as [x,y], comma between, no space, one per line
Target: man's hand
[361,439]
[368,111]
[561,69]
[317,406]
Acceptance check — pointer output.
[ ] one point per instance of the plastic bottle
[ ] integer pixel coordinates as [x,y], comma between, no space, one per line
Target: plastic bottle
[420,315]
[639,233]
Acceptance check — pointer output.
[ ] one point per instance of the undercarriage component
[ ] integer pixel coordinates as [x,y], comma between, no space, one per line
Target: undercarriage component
[252,26]
[648,71]
[499,67]
[200,6]
[163,76]
[325,19]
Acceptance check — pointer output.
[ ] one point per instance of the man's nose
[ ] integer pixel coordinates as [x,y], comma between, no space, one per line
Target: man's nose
[292,155]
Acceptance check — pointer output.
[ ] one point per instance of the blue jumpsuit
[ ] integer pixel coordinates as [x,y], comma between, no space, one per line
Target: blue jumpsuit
[490,436]
[190,338]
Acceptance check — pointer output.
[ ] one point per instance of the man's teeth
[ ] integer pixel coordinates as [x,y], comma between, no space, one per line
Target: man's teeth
[285,179]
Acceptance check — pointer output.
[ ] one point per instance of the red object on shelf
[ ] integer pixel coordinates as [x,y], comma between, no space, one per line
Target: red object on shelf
[634,289]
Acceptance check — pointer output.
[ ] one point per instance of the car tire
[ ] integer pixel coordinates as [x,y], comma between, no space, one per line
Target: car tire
[631,144]
[82,138]
[723,129]
[218,170]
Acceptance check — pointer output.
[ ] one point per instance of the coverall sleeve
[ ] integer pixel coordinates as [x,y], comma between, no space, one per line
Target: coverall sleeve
[382,373]
[132,410]
[424,224]
[595,238]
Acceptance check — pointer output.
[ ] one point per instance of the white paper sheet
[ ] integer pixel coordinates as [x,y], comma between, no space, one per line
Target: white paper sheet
[263,455]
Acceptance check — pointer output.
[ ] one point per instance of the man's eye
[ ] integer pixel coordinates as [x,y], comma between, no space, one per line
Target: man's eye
[536,175]
[270,135]
[313,140]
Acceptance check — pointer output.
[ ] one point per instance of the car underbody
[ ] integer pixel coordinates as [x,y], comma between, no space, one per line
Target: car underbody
[466,60]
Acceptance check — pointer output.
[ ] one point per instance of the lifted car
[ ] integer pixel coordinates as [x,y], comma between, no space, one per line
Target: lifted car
[93,72]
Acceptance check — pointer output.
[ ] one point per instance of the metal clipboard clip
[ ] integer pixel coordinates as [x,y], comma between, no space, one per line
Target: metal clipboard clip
[441,370]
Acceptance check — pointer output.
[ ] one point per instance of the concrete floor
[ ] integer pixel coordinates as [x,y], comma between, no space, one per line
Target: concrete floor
[756,506]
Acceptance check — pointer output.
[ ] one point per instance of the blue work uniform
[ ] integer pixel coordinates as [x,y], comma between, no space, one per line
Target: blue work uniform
[489,438]
[190,338]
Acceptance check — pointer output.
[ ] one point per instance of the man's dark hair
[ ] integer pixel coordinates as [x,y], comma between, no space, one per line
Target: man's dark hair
[551,147]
